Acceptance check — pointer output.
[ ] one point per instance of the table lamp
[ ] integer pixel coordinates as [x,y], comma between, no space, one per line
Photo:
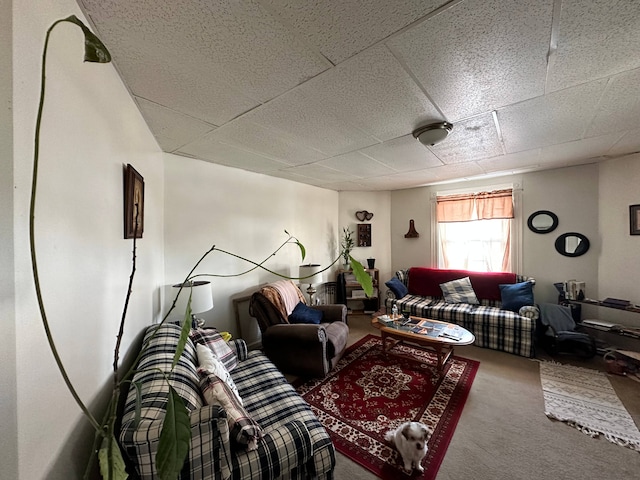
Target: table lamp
[310,274]
[201,300]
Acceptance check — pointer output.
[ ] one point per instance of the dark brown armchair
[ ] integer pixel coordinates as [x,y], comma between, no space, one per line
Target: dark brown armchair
[302,349]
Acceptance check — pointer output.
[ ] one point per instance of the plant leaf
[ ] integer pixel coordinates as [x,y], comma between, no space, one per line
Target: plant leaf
[362,277]
[118,470]
[175,438]
[303,250]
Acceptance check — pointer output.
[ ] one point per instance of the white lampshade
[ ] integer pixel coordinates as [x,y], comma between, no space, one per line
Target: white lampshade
[201,296]
[310,274]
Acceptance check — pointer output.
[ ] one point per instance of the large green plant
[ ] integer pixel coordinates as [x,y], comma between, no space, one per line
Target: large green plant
[175,434]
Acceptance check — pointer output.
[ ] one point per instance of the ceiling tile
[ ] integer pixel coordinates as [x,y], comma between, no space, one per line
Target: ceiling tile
[320,173]
[224,154]
[558,117]
[171,129]
[492,50]
[356,164]
[595,39]
[236,43]
[470,140]
[619,107]
[311,122]
[512,161]
[374,93]
[630,142]
[403,154]
[340,29]
[255,138]
[579,149]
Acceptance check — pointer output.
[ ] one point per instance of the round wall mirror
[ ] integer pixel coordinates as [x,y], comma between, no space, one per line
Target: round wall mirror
[542,221]
[572,244]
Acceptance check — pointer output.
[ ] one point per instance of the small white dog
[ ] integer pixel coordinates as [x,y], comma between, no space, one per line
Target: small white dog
[410,439]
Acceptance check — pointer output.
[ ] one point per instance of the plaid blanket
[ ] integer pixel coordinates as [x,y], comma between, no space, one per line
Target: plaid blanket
[294,445]
[492,326]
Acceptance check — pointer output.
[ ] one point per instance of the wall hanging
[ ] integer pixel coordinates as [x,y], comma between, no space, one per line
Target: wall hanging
[364,234]
[634,219]
[412,231]
[133,203]
[363,215]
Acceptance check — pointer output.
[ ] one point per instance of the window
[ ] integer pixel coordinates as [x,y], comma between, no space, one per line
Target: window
[474,231]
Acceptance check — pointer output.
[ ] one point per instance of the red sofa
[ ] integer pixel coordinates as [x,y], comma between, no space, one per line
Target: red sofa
[493,326]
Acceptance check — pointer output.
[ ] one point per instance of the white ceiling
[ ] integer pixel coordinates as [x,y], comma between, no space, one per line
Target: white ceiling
[327,92]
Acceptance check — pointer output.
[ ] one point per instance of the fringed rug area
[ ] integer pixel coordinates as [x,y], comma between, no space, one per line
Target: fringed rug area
[369,393]
[585,399]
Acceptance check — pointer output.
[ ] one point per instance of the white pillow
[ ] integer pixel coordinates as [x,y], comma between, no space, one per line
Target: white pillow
[459,291]
[211,365]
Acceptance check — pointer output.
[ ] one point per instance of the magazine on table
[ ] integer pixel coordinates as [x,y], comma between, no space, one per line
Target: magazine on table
[452,332]
[428,328]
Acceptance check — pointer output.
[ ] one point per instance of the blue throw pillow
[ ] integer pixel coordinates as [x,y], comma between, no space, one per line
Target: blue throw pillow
[304,314]
[516,295]
[397,287]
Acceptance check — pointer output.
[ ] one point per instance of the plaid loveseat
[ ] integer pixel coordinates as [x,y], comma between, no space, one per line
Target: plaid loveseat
[493,326]
[294,444]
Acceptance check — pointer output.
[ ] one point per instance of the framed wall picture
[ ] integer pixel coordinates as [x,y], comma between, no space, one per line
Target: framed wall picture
[133,203]
[634,219]
[364,235]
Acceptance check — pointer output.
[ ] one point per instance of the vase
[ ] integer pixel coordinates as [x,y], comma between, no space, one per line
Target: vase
[371,262]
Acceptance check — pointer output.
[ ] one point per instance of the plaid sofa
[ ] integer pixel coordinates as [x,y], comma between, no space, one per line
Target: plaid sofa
[493,327]
[294,444]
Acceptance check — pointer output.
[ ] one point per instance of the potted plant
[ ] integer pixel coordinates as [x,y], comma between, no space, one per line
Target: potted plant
[347,245]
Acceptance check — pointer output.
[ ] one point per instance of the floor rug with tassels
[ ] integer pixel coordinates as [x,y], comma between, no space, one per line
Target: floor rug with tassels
[370,392]
[585,399]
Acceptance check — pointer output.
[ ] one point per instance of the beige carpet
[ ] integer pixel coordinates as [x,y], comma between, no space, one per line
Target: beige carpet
[503,433]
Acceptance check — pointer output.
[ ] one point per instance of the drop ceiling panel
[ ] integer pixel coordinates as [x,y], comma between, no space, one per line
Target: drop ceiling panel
[492,50]
[595,39]
[582,149]
[321,173]
[171,129]
[252,137]
[470,140]
[356,164]
[403,154]
[373,92]
[512,161]
[311,122]
[269,85]
[224,154]
[559,117]
[236,43]
[619,107]
[630,142]
[340,29]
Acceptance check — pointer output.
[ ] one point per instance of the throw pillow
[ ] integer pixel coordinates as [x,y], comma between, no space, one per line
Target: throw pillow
[305,314]
[210,364]
[243,429]
[516,295]
[398,288]
[459,291]
[210,337]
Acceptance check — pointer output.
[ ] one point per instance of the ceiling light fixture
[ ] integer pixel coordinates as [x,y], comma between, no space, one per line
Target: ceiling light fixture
[433,133]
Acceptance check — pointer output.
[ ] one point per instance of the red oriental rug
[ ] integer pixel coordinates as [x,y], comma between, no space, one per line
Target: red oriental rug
[369,393]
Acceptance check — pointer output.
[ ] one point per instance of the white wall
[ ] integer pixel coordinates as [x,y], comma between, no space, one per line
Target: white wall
[246,214]
[377,203]
[619,262]
[572,193]
[90,129]
[8,387]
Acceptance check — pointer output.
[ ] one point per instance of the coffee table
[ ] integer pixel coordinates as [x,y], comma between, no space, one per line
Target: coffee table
[432,335]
